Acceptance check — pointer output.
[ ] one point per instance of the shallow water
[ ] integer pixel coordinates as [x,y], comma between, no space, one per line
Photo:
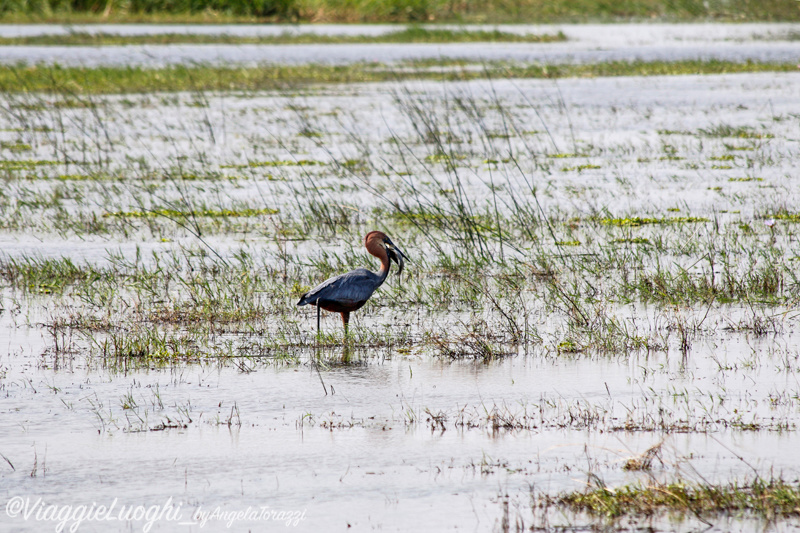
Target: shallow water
[340,54]
[364,454]
[397,439]
[627,33]
[621,124]
[586,44]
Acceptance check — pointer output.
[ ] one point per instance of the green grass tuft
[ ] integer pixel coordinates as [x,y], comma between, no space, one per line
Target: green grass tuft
[766,499]
[73,81]
[211,213]
[642,221]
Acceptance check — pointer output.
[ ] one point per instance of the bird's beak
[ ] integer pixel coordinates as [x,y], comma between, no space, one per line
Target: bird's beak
[396,255]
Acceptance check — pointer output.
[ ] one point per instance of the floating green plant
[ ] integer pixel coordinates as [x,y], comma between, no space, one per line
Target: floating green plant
[580,168]
[673,132]
[310,134]
[738,148]
[635,240]
[445,158]
[25,164]
[641,221]
[742,132]
[13,146]
[789,217]
[209,176]
[256,164]
[211,213]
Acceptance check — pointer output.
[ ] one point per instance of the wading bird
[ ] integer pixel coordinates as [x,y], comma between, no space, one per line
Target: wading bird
[348,292]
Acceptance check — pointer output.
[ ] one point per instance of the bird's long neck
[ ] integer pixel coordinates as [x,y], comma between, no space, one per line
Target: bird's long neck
[375,248]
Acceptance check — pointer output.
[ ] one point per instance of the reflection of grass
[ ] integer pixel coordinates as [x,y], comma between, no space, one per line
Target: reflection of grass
[408,35]
[100,80]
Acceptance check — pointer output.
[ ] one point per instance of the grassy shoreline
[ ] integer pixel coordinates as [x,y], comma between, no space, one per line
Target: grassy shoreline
[393,11]
[414,34]
[17,79]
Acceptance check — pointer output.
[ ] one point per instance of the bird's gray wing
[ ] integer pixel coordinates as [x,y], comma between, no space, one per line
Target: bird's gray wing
[354,286]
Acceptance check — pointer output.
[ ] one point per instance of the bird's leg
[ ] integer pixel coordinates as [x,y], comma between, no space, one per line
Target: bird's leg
[319,311]
[345,321]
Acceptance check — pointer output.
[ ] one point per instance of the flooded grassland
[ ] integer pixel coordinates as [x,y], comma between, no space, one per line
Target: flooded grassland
[601,299]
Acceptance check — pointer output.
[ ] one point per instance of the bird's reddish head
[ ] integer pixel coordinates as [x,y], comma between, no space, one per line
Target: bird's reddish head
[376,236]
[374,243]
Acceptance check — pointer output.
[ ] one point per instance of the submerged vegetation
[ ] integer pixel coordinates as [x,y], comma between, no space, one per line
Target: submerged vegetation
[174,213]
[415,34]
[124,80]
[767,499]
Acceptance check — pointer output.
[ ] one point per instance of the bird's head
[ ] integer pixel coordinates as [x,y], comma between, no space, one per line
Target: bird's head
[395,254]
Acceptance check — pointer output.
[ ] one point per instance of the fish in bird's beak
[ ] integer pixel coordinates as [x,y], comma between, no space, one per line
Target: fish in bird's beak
[396,255]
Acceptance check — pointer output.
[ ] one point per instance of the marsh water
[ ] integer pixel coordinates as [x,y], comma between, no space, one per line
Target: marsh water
[362,455]
[394,437]
[585,44]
